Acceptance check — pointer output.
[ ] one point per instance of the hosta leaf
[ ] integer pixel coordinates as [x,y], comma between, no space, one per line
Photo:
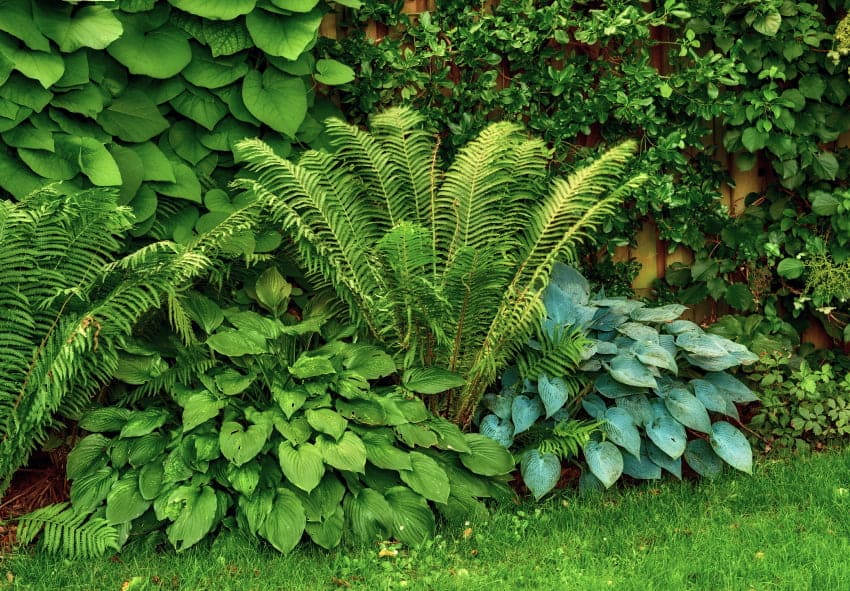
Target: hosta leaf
[621,429]
[161,53]
[215,9]
[146,448]
[703,345]
[641,467]
[255,508]
[638,406]
[200,407]
[327,533]
[303,466]
[524,412]
[713,363]
[668,434]
[348,453]
[604,460]
[497,429]
[88,455]
[230,382]
[151,477]
[449,436]
[732,447]
[381,452]
[688,410]
[283,36]
[540,472]
[681,326]
[133,117]
[652,354]
[611,388]
[235,343]
[731,386]
[125,502]
[498,404]
[89,490]
[103,420]
[412,518]
[702,459]
[240,445]
[639,332]
[142,422]
[709,395]
[369,515]
[628,370]
[244,479]
[593,405]
[486,457]
[325,420]
[663,460]
[660,314]
[426,478]
[284,525]
[431,380]
[553,393]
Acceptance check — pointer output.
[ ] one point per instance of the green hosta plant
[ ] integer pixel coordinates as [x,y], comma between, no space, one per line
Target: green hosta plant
[657,385]
[444,265]
[261,429]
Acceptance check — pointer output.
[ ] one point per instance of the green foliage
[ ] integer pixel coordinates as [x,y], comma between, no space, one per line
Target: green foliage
[801,407]
[61,530]
[150,97]
[443,264]
[68,303]
[278,435]
[654,381]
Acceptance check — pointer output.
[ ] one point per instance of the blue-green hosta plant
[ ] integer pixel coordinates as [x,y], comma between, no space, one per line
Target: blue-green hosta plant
[658,387]
[272,423]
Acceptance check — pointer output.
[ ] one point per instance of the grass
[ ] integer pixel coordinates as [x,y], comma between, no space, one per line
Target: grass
[785,528]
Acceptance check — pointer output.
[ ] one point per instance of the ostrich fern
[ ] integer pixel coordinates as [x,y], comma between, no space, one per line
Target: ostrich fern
[67,303]
[443,265]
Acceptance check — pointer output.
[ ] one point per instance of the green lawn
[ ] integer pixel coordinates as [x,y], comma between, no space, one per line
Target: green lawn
[785,528]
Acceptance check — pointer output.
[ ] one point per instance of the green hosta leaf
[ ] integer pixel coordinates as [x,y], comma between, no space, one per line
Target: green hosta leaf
[273,290]
[702,459]
[668,434]
[240,445]
[235,343]
[324,500]
[553,393]
[296,5]
[151,477]
[524,412]
[285,523]
[143,422]
[628,370]
[604,460]
[369,362]
[348,453]
[431,380]
[497,429]
[103,420]
[215,9]
[290,400]
[306,367]
[660,314]
[146,448]
[593,405]
[621,429]
[652,354]
[284,36]
[365,412]
[713,363]
[125,502]
[427,478]
[332,72]
[88,26]
[641,467]
[663,460]
[709,395]
[244,479]
[88,455]
[200,407]
[369,515]
[256,508]
[733,387]
[325,420]
[327,533]
[303,466]
[732,447]
[688,410]
[611,388]
[89,491]
[381,452]
[449,436]
[413,521]
[230,382]
[540,472]
[196,519]
[486,457]
[161,53]
[133,117]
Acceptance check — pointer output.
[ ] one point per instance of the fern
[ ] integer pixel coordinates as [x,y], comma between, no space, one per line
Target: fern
[61,530]
[443,265]
[565,440]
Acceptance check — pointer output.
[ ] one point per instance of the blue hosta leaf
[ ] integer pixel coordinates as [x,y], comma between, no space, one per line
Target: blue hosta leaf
[709,395]
[593,405]
[688,410]
[604,460]
[641,467]
[618,306]
[628,370]
[621,429]
[663,460]
[668,434]
[524,412]
[605,319]
[588,484]
[702,459]
[681,326]
[731,445]
[611,388]
[655,354]
[738,351]
[559,306]
[731,386]
[713,363]
[498,404]
[497,429]
[553,393]
[661,314]
[702,345]
[639,332]
[571,282]
[638,407]
[604,347]
[540,472]
[668,342]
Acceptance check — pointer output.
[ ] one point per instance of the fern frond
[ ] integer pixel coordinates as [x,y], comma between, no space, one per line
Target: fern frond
[557,354]
[62,531]
[565,440]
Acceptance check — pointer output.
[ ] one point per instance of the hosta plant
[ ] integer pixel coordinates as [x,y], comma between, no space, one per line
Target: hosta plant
[442,264]
[278,426]
[658,385]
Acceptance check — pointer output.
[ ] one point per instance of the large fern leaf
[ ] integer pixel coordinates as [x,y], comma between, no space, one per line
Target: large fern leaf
[61,530]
